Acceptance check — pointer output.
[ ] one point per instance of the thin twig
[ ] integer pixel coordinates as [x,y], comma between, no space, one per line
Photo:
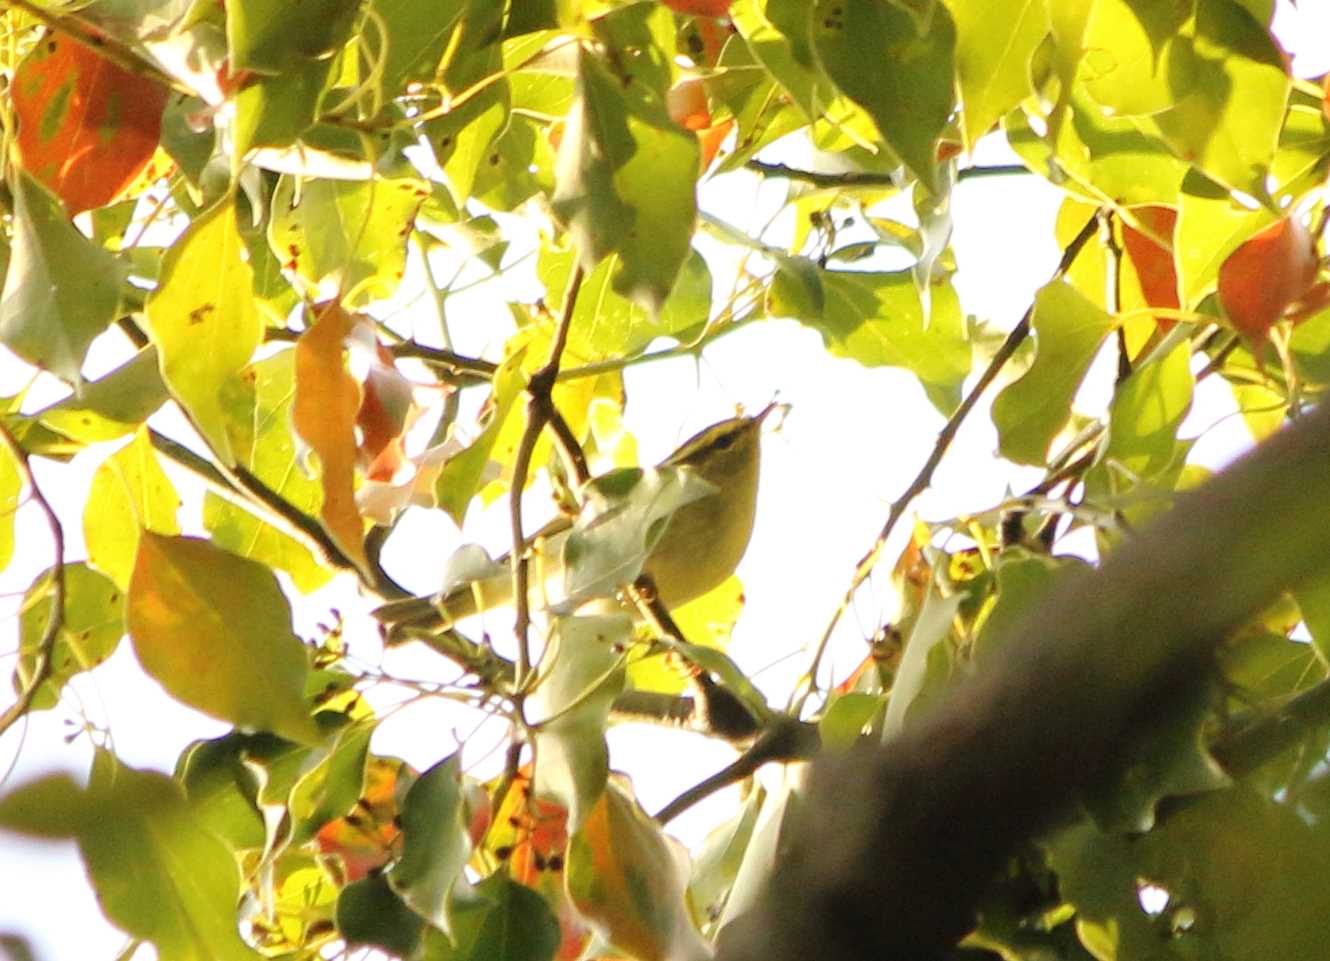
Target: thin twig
[785,739]
[862,178]
[540,405]
[44,664]
[243,488]
[925,475]
[1113,286]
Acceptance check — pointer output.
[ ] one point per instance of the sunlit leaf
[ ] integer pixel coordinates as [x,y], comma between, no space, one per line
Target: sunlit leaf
[878,320]
[203,319]
[606,324]
[91,626]
[327,399]
[1226,114]
[994,45]
[130,494]
[258,411]
[911,101]
[113,405]
[628,879]
[369,836]
[60,290]
[926,666]
[158,875]
[350,233]
[215,630]
[331,787]
[86,126]
[1029,413]
[1266,275]
[626,184]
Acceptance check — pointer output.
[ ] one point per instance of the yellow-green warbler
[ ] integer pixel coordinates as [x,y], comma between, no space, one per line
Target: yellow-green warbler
[702,541]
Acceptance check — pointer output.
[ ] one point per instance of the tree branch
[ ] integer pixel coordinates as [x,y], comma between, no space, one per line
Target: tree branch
[897,844]
[43,665]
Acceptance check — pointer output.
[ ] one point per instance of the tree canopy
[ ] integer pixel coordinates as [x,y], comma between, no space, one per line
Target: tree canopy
[1097,725]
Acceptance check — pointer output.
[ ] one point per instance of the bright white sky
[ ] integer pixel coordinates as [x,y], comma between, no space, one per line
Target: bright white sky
[852,441]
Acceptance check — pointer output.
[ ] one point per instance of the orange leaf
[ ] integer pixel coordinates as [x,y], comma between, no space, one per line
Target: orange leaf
[1265,276]
[369,837]
[87,127]
[1154,263]
[384,415]
[687,105]
[327,399]
[532,835]
[629,880]
[703,8]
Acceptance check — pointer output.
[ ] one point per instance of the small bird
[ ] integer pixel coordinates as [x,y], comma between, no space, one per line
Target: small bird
[702,543]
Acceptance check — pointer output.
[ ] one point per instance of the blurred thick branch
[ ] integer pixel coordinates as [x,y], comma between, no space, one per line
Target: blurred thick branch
[898,842]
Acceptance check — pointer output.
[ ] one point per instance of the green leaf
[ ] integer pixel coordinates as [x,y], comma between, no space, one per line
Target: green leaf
[273,36]
[926,665]
[203,319]
[430,878]
[1022,579]
[878,320]
[608,325]
[626,178]
[221,780]
[414,38]
[1029,413]
[995,42]
[1214,857]
[348,233]
[1313,597]
[464,139]
[843,723]
[215,630]
[370,913]
[462,476]
[571,708]
[258,412]
[331,788]
[91,627]
[1227,119]
[778,34]
[60,289]
[1171,761]
[158,875]
[628,879]
[1146,412]
[510,922]
[1136,60]
[111,406]
[910,96]
[273,111]
[716,864]
[518,165]
[130,494]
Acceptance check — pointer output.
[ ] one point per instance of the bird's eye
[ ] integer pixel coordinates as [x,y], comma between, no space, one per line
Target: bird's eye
[725,441]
